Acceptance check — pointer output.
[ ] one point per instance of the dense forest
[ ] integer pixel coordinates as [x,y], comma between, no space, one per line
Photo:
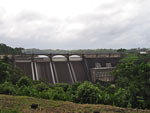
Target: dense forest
[4,49]
[131,88]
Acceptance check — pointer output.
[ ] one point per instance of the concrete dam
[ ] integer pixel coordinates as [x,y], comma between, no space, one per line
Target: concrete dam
[63,68]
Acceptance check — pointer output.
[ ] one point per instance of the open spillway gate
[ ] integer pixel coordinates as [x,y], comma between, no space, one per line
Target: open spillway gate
[62,68]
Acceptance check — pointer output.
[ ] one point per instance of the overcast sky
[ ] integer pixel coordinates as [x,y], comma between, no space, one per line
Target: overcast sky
[75,24]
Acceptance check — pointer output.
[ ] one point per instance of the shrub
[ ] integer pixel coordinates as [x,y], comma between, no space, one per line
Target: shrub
[27,91]
[41,86]
[87,93]
[7,88]
[75,86]
[121,97]
[64,86]
[46,94]
[24,81]
[58,94]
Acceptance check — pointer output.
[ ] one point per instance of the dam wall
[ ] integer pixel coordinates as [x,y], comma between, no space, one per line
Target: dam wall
[63,68]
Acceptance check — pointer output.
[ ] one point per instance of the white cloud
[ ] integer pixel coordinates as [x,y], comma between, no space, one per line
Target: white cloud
[73,24]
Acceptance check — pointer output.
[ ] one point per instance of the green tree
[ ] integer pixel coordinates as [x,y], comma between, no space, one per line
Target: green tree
[121,50]
[134,77]
[8,72]
[24,81]
[41,87]
[88,93]
[4,49]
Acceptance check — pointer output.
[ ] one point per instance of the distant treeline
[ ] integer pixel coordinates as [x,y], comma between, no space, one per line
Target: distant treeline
[90,51]
[4,49]
[48,51]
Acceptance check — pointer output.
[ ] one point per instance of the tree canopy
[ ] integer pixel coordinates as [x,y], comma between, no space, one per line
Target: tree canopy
[4,49]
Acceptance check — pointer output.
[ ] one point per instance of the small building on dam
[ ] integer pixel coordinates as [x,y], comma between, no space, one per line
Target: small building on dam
[68,68]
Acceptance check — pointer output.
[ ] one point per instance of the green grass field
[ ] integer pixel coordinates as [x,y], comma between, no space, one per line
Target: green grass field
[22,104]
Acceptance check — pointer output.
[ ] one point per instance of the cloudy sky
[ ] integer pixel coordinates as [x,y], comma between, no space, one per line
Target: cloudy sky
[75,24]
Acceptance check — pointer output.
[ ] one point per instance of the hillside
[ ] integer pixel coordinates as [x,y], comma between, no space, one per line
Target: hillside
[22,105]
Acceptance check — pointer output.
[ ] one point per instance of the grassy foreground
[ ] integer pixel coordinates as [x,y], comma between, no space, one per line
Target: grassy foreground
[21,104]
